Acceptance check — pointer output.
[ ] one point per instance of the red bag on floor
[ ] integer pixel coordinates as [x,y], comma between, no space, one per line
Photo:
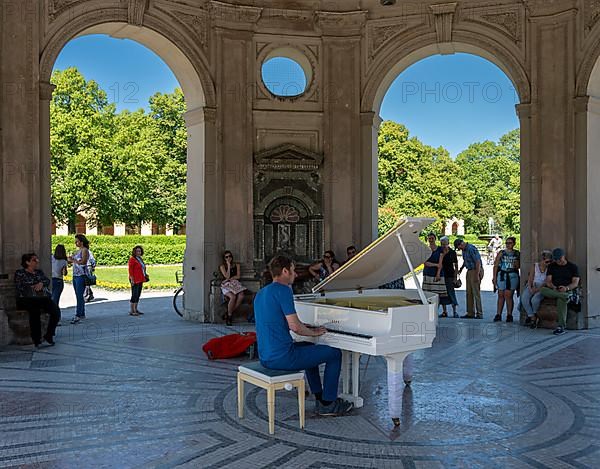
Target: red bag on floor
[229,346]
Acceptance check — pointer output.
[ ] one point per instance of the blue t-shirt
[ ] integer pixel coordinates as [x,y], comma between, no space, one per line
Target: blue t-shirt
[271,305]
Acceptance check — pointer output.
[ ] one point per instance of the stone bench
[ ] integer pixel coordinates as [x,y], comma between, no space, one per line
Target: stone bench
[218,303]
[549,316]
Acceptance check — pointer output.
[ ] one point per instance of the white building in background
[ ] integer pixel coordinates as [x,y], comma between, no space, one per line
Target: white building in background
[86,226]
[455,227]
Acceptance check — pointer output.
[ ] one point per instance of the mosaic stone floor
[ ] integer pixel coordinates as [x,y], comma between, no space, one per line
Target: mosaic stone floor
[118,391]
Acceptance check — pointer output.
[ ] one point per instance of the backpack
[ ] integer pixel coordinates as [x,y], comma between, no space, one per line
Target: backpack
[229,346]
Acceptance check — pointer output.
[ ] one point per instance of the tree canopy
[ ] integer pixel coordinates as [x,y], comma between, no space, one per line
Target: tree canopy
[128,167]
[418,180]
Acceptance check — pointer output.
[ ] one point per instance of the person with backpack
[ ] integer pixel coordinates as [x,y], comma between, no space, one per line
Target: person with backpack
[506,278]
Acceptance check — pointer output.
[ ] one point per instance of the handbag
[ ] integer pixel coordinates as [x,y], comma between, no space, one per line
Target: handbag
[457,283]
[89,278]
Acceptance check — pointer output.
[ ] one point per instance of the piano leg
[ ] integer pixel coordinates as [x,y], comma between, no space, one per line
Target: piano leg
[395,384]
[351,362]
[407,369]
[345,372]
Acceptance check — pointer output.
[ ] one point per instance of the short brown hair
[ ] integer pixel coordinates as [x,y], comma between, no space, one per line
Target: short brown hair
[278,263]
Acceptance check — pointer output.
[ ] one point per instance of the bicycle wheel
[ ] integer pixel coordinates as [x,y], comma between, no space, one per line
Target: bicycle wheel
[178,301]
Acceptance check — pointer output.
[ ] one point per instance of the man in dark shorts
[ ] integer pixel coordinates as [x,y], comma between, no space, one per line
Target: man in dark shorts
[561,279]
[275,316]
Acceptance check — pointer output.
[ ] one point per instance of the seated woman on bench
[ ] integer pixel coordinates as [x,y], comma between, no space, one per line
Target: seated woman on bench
[33,296]
[231,287]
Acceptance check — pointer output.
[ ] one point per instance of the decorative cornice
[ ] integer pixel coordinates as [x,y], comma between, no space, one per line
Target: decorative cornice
[135,12]
[288,157]
[341,24]
[46,90]
[540,8]
[224,12]
[443,15]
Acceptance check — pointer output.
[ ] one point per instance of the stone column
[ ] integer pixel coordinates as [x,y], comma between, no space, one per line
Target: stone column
[200,206]
[556,209]
[587,194]
[552,140]
[530,188]
[234,168]
[343,154]
[369,177]
[46,90]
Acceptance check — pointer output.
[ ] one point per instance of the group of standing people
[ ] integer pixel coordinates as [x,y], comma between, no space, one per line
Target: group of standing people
[37,294]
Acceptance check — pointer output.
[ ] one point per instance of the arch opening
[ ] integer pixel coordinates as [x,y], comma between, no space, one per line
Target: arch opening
[192,83]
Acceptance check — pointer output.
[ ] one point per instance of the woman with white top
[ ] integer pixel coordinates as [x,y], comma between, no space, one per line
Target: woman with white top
[59,270]
[80,266]
[531,297]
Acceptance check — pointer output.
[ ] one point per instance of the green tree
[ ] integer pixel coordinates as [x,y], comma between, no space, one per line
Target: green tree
[492,172]
[417,180]
[82,124]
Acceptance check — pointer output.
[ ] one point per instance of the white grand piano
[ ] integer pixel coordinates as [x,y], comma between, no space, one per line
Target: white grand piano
[362,319]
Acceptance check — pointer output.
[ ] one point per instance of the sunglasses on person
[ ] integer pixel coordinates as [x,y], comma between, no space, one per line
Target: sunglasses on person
[326,256]
[228,256]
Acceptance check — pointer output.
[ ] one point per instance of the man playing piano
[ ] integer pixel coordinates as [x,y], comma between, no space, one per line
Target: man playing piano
[275,316]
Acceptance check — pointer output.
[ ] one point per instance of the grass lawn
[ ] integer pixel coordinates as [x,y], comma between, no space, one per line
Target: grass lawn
[161,276]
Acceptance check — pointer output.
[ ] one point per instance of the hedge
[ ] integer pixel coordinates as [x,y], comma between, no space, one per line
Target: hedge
[115,250]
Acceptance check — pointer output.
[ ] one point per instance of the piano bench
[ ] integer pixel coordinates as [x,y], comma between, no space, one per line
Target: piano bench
[271,380]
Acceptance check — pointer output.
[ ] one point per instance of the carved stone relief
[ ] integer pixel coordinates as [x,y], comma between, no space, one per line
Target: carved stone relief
[288,203]
[194,19]
[56,7]
[379,32]
[509,20]
[592,13]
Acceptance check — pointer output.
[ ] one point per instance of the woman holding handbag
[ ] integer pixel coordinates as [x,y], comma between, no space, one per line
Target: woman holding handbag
[137,277]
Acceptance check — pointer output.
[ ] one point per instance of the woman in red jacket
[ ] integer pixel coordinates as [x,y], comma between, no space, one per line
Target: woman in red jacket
[137,277]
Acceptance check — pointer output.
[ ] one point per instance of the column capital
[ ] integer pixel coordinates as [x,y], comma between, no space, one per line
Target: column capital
[200,115]
[370,118]
[525,110]
[582,103]
[46,90]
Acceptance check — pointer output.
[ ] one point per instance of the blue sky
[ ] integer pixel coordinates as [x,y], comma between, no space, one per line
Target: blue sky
[448,101]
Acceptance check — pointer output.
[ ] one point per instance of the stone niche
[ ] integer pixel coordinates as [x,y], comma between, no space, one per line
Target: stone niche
[288,204]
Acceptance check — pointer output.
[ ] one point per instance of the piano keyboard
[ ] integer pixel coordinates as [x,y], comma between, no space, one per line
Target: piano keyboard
[353,334]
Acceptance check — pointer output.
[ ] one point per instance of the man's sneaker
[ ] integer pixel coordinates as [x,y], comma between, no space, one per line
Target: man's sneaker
[336,408]
[559,331]
[77,319]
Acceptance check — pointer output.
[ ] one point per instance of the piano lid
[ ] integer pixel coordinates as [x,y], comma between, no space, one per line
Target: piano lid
[383,260]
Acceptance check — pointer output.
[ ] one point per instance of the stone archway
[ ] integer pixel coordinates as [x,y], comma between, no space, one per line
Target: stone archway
[189,68]
[386,68]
